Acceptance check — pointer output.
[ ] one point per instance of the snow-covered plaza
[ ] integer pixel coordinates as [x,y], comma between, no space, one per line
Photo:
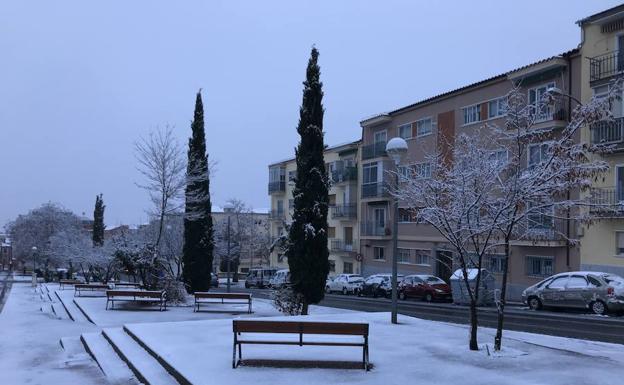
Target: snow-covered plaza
[41,344]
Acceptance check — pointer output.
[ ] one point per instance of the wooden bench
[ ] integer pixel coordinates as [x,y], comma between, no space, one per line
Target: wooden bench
[139,296]
[128,284]
[300,328]
[65,282]
[78,288]
[204,297]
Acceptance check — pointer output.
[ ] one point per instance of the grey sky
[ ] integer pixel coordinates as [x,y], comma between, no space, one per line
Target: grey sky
[80,81]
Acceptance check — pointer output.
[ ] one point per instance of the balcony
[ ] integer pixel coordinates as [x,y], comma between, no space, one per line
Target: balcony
[374,229]
[374,150]
[277,215]
[347,174]
[606,202]
[375,190]
[607,132]
[554,111]
[606,65]
[344,212]
[277,187]
[339,245]
[536,229]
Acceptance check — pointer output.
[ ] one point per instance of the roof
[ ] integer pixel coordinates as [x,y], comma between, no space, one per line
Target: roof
[332,148]
[602,14]
[480,83]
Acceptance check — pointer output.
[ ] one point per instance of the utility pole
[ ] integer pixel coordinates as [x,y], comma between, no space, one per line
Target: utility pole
[229,262]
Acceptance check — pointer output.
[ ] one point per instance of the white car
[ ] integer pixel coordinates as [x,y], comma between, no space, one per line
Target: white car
[281,278]
[345,283]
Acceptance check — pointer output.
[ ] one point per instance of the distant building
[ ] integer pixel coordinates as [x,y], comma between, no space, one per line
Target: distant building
[6,252]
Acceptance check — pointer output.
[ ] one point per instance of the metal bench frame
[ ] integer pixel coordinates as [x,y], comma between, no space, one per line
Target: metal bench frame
[301,328]
[144,296]
[70,282]
[89,287]
[201,296]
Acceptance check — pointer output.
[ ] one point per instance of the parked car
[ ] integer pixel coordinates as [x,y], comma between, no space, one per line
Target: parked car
[259,278]
[280,279]
[596,291]
[426,287]
[375,286]
[344,283]
[214,280]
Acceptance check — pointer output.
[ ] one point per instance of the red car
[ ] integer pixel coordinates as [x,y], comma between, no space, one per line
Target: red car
[427,287]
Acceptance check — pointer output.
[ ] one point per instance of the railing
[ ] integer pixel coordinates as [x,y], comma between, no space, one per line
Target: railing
[375,190]
[279,186]
[344,212]
[607,132]
[541,228]
[276,215]
[547,112]
[374,150]
[336,244]
[346,174]
[606,201]
[606,65]
[374,229]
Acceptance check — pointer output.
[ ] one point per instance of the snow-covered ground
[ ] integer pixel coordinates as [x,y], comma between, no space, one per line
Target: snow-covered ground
[199,347]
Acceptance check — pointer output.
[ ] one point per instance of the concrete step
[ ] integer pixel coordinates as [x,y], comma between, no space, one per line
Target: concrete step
[116,371]
[74,352]
[59,311]
[145,367]
[75,314]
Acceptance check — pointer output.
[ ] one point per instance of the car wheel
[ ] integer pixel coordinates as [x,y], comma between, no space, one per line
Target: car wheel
[598,307]
[534,303]
[428,297]
[402,296]
[345,291]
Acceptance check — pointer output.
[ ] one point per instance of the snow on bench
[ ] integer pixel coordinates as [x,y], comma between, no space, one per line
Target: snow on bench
[78,288]
[203,297]
[139,296]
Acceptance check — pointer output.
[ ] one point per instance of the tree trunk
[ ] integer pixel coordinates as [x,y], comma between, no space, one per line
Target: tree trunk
[304,308]
[473,325]
[501,306]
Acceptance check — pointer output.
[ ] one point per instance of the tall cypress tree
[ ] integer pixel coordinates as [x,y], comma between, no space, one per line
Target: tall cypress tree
[98,221]
[198,241]
[308,256]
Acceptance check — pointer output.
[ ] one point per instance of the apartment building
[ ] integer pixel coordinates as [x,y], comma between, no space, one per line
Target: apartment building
[343,232]
[430,126]
[602,47]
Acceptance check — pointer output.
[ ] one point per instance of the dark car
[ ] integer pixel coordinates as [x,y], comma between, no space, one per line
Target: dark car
[426,287]
[375,286]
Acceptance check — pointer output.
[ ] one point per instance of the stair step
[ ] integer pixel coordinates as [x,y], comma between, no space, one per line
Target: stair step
[145,367]
[72,310]
[116,371]
[75,354]
[59,310]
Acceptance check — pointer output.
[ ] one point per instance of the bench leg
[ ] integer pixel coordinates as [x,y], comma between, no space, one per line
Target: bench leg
[249,306]
[234,354]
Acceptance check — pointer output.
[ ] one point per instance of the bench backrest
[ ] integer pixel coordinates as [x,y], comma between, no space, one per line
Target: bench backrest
[129,284]
[305,327]
[69,281]
[205,294]
[90,286]
[135,293]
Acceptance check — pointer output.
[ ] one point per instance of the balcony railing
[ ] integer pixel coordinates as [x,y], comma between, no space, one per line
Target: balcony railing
[336,244]
[374,229]
[375,190]
[607,201]
[346,174]
[275,187]
[277,215]
[344,212]
[607,132]
[554,111]
[541,228]
[374,150]
[606,65]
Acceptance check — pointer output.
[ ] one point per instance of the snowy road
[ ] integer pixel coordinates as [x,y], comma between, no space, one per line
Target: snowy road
[555,323]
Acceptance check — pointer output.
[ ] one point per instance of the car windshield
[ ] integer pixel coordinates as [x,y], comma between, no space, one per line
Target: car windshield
[613,279]
[356,279]
[434,280]
[374,280]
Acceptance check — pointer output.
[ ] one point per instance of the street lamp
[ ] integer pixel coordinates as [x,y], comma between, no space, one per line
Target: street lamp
[395,148]
[228,209]
[34,275]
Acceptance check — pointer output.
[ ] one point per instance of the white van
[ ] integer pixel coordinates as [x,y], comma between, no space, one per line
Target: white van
[259,278]
[281,278]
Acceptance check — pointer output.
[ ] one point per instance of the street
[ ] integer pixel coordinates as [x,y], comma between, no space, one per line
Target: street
[550,322]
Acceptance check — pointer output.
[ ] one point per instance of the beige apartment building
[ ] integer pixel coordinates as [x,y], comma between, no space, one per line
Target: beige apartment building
[343,235]
[602,49]
[430,126]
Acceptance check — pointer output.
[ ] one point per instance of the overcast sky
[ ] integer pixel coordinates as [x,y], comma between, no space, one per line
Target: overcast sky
[80,81]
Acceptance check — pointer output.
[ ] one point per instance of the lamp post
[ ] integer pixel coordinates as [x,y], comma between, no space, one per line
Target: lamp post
[228,208]
[34,275]
[395,148]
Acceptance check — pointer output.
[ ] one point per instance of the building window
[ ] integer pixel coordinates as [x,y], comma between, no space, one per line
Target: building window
[292,175]
[422,170]
[403,256]
[331,232]
[472,114]
[380,136]
[540,218]
[536,96]
[422,257]
[332,265]
[405,131]
[538,153]
[540,266]
[277,174]
[619,247]
[497,107]
[424,127]
[407,216]
[347,268]
[280,207]
[369,173]
[378,253]
[499,156]
[497,263]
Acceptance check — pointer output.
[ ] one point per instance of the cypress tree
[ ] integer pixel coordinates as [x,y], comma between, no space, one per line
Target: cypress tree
[198,247]
[98,221]
[308,256]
